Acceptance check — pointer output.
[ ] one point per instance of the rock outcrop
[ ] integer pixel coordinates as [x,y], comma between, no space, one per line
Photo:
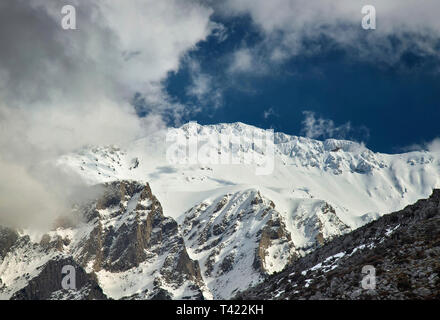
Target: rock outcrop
[122,235]
[48,284]
[402,247]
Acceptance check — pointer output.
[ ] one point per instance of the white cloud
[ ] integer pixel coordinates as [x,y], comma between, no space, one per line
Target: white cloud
[286,23]
[432,146]
[268,113]
[203,87]
[219,31]
[317,127]
[242,61]
[61,89]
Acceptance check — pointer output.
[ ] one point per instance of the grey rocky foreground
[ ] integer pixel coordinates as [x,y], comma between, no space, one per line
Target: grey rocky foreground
[403,247]
[124,238]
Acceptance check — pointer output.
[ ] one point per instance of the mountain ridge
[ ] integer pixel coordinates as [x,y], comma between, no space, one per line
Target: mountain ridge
[403,248]
[212,230]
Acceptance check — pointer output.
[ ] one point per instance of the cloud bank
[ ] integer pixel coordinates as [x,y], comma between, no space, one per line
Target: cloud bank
[406,30]
[316,127]
[61,89]
[431,146]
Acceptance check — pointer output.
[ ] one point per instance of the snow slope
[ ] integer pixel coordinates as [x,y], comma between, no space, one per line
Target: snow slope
[240,226]
[123,241]
[355,181]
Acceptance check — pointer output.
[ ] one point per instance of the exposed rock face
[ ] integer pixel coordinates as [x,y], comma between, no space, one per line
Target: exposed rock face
[403,247]
[8,238]
[238,239]
[126,248]
[125,235]
[124,219]
[47,285]
[273,235]
[130,229]
[317,220]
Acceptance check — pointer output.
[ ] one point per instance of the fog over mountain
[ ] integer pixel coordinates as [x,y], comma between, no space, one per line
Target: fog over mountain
[87,117]
[154,229]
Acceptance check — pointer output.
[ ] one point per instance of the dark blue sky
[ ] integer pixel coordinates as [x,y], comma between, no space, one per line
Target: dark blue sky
[389,107]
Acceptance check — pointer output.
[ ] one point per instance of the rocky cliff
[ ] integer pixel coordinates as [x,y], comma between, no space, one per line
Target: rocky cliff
[402,247]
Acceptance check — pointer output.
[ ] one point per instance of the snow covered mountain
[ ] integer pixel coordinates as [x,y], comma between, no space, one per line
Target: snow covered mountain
[122,241]
[212,229]
[403,248]
[358,183]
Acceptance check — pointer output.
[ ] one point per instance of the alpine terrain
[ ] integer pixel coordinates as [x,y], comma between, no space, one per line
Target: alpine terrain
[162,229]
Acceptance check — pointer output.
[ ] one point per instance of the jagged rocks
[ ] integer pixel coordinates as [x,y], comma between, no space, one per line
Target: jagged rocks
[403,247]
[274,237]
[124,237]
[242,236]
[124,247]
[131,233]
[237,238]
[317,223]
[8,238]
[47,285]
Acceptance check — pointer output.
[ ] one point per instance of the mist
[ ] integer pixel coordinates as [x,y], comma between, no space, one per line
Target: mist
[63,89]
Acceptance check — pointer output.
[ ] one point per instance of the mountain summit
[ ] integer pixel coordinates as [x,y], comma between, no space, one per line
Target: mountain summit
[162,230]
